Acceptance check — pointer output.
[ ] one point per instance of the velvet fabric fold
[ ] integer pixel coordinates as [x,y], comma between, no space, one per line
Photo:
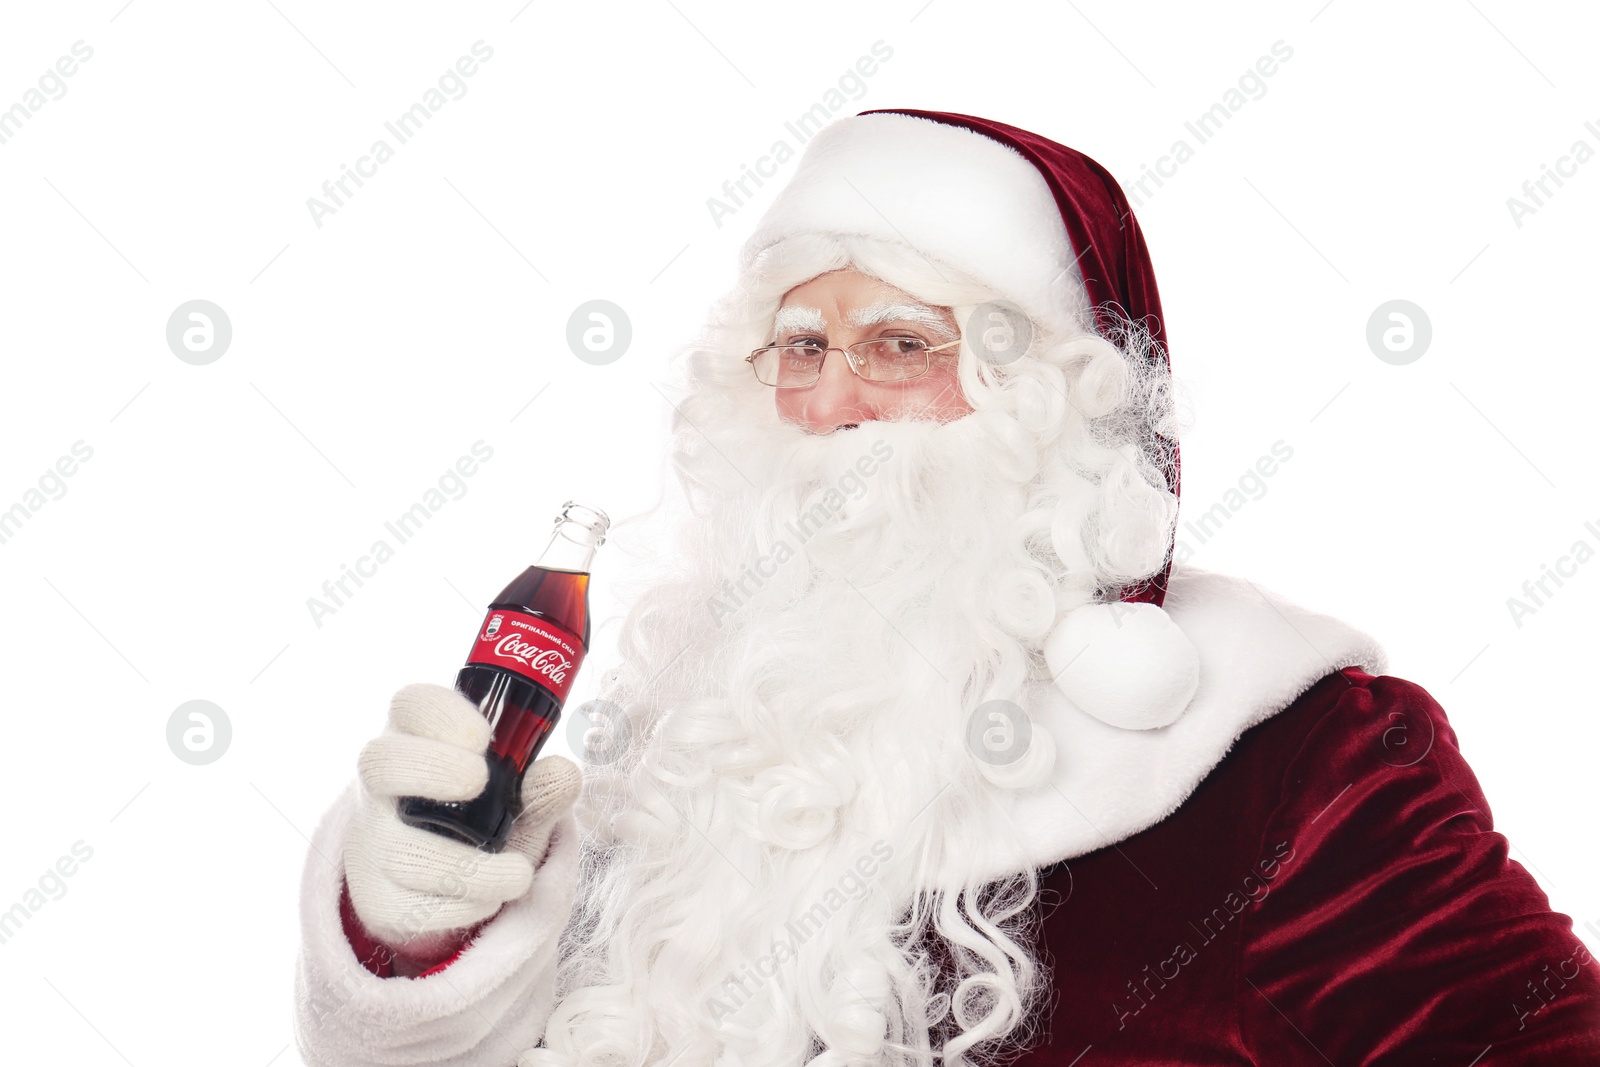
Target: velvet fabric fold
[1334,892]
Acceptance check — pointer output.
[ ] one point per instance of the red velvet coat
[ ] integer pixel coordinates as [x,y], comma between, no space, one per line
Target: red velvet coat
[1333,893]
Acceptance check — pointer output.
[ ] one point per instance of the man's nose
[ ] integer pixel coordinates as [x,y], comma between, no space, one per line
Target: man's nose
[837,399]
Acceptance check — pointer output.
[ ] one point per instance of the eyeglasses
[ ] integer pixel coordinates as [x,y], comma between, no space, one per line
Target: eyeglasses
[886,359]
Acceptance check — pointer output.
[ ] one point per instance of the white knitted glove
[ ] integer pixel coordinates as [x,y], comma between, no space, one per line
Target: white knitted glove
[414,889]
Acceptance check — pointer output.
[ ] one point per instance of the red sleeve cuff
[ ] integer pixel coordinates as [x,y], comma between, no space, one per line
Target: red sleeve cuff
[379,958]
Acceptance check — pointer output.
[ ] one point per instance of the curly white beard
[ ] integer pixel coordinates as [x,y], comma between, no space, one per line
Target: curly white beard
[768,859]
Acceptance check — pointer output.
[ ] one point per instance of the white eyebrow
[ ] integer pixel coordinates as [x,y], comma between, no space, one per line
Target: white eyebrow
[798,317]
[921,314]
[795,317]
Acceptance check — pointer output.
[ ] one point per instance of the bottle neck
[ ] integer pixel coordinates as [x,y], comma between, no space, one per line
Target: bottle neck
[571,548]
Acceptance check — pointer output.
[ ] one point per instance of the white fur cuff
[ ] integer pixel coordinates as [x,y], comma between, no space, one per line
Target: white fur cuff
[482,1011]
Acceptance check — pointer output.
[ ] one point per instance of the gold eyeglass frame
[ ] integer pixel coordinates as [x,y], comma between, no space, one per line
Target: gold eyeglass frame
[850,362]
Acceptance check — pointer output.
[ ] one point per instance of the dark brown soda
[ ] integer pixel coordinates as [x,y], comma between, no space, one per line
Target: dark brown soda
[521,711]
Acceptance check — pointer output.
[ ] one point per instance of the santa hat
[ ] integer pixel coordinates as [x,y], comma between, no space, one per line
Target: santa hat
[1049,229]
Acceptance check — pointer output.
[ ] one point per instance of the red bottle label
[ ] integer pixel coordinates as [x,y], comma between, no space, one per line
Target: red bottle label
[535,648]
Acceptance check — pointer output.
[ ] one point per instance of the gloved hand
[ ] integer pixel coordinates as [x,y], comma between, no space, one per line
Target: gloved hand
[413,889]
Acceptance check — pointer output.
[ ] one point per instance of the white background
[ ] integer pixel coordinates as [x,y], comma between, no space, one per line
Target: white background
[368,354]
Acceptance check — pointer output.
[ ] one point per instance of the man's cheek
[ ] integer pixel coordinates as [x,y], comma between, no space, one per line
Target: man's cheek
[791,406]
[938,394]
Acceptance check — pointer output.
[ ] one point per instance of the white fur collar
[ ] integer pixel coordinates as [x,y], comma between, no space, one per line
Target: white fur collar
[1258,653]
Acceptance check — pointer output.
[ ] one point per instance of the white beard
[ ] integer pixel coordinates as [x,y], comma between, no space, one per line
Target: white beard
[765,855]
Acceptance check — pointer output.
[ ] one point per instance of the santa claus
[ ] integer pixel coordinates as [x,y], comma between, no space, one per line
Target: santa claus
[923,747]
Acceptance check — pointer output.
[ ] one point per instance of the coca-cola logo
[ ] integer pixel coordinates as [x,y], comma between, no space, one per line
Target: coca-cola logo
[538,659]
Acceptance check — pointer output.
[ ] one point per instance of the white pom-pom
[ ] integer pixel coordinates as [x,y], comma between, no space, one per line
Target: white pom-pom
[1126,664]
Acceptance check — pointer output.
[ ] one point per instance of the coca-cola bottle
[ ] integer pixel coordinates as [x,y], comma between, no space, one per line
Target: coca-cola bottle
[519,672]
